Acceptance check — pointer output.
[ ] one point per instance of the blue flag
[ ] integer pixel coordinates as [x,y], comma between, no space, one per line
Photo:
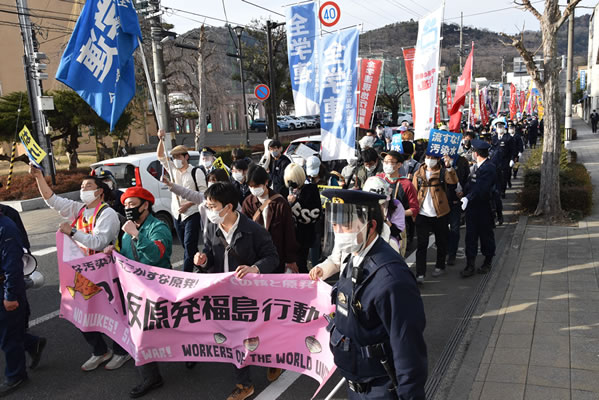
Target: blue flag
[98,60]
[339,102]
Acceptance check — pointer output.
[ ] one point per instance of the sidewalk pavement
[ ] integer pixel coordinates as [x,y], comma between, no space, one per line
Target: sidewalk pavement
[544,342]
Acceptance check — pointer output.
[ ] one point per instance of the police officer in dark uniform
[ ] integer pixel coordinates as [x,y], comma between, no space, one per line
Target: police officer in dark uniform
[507,152]
[14,310]
[377,329]
[479,213]
[115,202]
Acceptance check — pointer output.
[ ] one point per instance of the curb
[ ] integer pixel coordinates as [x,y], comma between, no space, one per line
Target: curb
[37,203]
[460,374]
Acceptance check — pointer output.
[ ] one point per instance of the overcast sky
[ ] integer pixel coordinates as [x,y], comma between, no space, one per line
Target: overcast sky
[495,15]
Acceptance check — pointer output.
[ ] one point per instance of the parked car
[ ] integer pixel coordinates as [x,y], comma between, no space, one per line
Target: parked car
[260,125]
[310,121]
[292,122]
[316,118]
[404,117]
[144,170]
[313,142]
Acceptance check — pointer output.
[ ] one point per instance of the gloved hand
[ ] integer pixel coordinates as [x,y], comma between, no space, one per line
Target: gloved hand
[464,201]
[511,163]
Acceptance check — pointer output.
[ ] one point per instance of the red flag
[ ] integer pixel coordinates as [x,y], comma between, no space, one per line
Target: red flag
[464,83]
[513,106]
[408,56]
[522,100]
[370,72]
[484,112]
[449,102]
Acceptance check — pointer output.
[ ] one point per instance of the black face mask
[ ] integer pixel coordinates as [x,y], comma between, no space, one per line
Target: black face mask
[466,144]
[133,214]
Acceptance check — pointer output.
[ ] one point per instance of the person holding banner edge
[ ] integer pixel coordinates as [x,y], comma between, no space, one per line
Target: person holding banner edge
[94,226]
[377,329]
[149,241]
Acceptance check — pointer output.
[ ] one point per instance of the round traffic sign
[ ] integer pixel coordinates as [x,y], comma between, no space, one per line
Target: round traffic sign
[262,92]
[329,13]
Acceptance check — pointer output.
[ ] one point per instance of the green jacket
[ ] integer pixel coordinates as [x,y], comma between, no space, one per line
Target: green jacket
[154,244]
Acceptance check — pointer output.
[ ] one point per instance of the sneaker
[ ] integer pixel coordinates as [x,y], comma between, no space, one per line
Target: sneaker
[145,387]
[420,279]
[272,374]
[95,361]
[241,392]
[36,354]
[9,387]
[438,272]
[117,361]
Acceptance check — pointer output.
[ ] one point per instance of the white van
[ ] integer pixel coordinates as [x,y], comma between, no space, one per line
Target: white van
[144,170]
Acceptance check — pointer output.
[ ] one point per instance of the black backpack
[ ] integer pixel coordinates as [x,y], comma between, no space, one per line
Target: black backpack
[193,175]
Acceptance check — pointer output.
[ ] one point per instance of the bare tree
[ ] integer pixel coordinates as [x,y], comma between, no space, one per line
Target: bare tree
[551,20]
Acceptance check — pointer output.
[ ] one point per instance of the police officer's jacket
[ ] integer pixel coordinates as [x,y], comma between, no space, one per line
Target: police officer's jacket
[11,265]
[506,147]
[480,185]
[388,310]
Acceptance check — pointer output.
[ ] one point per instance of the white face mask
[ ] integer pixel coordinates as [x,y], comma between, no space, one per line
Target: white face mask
[214,216]
[88,196]
[388,168]
[511,131]
[211,183]
[275,153]
[238,176]
[352,162]
[371,168]
[347,242]
[257,191]
[178,163]
[430,162]
[207,162]
[500,131]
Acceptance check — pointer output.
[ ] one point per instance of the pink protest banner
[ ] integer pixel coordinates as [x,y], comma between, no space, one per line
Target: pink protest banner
[274,320]
[370,72]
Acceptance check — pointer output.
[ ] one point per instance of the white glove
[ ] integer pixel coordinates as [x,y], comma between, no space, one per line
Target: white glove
[519,155]
[464,201]
[511,163]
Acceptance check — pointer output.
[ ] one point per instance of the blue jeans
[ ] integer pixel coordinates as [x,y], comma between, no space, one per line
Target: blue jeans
[188,232]
[454,229]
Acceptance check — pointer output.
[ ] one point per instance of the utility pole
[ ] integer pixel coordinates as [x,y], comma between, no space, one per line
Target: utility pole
[33,76]
[159,77]
[502,69]
[568,122]
[239,31]
[202,129]
[461,52]
[273,128]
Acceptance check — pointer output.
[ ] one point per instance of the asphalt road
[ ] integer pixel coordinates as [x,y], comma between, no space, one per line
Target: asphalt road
[59,375]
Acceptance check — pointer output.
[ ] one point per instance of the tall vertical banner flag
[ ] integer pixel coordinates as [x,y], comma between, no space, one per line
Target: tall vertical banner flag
[408,57]
[513,106]
[302,43]
[448,96]
[370,73]
[98,60]
[438,111]
[338,85]
[426,70]
[484,113]
[477,110]
[462,88]
[500,98]
[472,111]
[522,100]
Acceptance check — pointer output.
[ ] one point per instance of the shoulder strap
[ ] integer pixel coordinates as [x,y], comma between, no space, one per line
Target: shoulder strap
[78,216]
[264,205]
[228,248]
[193,176]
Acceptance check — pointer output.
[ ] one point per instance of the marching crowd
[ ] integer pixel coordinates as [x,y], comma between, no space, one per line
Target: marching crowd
[271,217]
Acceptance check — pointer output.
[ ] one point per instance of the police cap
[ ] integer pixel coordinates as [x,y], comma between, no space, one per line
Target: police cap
[207,151]
[480,144]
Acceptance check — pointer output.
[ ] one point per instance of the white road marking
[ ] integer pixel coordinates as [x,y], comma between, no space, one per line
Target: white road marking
[44,318]
[278,387]
[43,252]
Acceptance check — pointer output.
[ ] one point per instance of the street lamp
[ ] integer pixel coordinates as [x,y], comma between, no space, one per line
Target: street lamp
[239,31]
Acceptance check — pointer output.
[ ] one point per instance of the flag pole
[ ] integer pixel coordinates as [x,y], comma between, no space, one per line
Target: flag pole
[149,80]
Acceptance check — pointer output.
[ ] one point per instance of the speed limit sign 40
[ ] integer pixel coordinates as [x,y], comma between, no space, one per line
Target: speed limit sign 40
[329,13]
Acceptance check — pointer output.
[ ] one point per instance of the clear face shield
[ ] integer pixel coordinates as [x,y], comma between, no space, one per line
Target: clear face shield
[345,227]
